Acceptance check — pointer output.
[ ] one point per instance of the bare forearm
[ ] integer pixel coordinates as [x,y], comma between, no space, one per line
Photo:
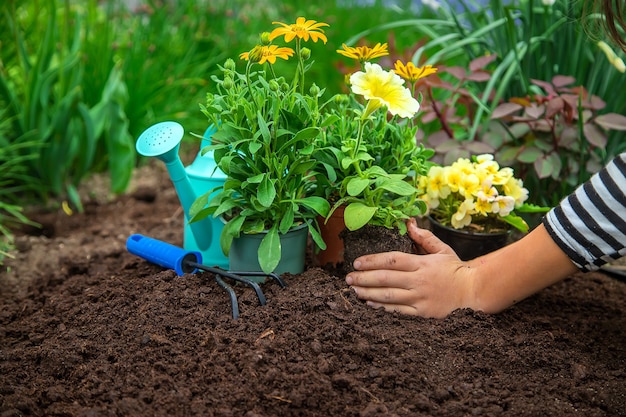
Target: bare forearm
[509,275]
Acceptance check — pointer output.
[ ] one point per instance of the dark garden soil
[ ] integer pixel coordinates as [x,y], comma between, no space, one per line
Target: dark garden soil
[87,329]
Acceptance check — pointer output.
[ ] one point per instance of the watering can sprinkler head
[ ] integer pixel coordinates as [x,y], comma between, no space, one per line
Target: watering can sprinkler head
[161,141]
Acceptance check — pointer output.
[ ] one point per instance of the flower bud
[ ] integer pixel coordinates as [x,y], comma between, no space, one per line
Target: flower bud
[284,87]
[305,53]
[274,86]
[341,100]
[228,83]
[265,38]
[229,65]
[314,90]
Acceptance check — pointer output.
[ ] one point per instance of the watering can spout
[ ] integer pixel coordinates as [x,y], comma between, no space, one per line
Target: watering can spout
[162,141]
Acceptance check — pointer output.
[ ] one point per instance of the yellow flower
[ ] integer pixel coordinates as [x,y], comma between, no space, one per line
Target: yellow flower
[436,183]
[464,165]
[384,88]
[453,178]
[503,205]
[463,215]
[303,29]
[503,176]
[411,73]
[514,188]
[483,206]
[261,54]
[364,53]
[469,186]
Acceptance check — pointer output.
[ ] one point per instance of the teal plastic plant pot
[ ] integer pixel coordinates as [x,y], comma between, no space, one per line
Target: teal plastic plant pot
[243,254]
[469,245]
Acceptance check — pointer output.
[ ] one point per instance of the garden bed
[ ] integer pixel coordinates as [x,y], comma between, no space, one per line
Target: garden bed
[87,329]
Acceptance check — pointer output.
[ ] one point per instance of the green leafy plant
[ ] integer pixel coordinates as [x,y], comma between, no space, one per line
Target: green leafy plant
[264,144]
[368,162]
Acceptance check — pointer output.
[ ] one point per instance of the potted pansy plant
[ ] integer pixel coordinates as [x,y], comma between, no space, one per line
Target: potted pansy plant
[367,155]
[473,204]
[266,124]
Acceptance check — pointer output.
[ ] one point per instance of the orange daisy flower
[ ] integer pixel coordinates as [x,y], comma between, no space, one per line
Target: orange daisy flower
[269,53]
[303,29]
[411,73]
[364,53]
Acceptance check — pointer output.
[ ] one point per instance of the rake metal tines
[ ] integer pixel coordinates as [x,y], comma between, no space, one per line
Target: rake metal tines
[238,277]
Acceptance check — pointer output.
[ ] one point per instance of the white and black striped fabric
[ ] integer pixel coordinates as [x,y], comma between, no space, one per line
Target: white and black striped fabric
[590,224]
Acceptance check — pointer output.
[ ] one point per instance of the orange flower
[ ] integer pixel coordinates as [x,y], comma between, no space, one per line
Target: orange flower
[364,53]
[303,29]
[411,73]
[262,54]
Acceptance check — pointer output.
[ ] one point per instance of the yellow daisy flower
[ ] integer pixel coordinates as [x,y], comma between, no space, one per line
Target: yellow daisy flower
[303,29]
[411,73]
[262,54]
[364,53]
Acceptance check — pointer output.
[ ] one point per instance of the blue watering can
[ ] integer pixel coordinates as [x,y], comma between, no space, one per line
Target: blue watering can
[162,141]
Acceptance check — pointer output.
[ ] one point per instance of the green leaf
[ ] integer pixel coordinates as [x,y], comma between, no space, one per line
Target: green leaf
[225,206]
[254,147]
[269,253]
[318,204]
[287,221]
[257,179]
[357,185]
[516,222]
[266,192]
[231,230]
[358,215]
[532,208]
[529,155]
[263,129]
[317,237]
[398,187]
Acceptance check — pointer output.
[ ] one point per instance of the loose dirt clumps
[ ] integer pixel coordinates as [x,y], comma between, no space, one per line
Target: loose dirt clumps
[87,329]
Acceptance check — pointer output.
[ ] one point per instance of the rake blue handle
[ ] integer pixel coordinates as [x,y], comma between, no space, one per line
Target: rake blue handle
[163,253]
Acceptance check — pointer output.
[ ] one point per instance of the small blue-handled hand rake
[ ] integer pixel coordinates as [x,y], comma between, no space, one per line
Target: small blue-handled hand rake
[189,262]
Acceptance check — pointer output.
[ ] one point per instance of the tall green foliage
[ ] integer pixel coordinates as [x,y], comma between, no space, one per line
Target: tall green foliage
[44,85]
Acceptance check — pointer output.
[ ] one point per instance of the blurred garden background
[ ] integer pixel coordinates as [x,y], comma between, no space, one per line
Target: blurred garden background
[527,80]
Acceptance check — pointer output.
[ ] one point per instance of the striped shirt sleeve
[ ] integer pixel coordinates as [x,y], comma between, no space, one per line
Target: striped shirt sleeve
[590,224]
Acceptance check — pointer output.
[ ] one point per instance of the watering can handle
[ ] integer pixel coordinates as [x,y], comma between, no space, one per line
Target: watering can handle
[163,253]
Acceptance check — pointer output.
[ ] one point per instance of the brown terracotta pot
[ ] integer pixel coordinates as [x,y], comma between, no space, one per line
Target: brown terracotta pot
[330,230]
